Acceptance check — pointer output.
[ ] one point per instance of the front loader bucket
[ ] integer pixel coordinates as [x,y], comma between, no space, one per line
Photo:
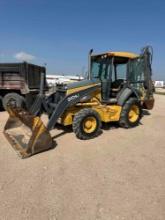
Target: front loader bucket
[26,133]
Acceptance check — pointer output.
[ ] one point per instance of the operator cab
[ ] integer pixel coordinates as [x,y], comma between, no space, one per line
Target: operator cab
[112,70]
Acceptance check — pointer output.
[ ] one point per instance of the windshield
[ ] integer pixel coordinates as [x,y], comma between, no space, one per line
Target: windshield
[100,68]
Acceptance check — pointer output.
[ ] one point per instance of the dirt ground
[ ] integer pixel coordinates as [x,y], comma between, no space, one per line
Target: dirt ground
[118,176]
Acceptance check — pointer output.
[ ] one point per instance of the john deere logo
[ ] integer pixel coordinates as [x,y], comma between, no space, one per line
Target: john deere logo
[73,97]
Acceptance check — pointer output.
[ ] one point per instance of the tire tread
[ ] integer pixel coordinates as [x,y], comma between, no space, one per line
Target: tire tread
[77,123]
[123,122]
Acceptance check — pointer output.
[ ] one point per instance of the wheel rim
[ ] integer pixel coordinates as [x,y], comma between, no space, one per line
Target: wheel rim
[89,124]
[133,114]
[12,102]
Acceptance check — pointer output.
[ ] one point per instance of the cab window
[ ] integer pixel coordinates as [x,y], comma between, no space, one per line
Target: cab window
[121,70]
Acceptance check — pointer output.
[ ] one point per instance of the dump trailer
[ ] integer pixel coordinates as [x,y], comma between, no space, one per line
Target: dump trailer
[18,80]
[118,88]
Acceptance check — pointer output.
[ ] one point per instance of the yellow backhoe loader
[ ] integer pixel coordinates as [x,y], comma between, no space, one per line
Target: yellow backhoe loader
[118,87]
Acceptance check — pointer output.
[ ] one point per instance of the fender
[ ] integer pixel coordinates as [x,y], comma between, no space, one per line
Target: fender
[125,94]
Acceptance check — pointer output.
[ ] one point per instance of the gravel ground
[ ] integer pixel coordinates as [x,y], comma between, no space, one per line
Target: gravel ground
[118,176]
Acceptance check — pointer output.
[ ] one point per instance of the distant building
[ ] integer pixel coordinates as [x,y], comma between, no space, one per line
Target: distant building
[59,79]
[159,84]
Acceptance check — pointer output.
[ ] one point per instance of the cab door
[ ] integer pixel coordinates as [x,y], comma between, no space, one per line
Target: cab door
[139,76]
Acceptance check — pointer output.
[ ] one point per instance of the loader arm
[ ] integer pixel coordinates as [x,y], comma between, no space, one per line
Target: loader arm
[68,101]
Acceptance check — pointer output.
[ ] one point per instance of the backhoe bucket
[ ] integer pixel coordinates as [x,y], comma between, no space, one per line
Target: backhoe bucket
[26,133]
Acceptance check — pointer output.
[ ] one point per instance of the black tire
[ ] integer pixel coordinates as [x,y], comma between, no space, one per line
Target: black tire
[1,105]
[13,99]
[79,120]
[125,120]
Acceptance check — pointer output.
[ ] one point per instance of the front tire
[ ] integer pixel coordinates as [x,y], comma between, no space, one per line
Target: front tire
[86,124]
[131,113]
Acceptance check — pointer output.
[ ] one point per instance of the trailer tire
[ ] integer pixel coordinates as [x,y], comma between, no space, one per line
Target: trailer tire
[13,99]
[1,105]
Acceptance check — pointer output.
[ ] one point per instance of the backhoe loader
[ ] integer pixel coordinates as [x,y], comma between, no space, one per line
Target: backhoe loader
[117,89]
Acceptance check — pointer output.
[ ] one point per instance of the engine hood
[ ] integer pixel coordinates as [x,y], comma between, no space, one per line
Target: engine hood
[79,84]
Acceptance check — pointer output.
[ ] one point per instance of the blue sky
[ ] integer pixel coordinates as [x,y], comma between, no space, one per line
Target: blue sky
[60,33]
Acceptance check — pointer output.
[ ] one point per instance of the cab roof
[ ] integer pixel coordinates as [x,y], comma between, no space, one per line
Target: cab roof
[118,54]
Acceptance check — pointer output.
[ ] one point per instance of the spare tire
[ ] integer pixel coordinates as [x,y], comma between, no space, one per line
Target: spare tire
[13,99]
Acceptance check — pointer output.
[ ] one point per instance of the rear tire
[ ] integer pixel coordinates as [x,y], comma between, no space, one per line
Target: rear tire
[131,113]
[86,124]
[13,99]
